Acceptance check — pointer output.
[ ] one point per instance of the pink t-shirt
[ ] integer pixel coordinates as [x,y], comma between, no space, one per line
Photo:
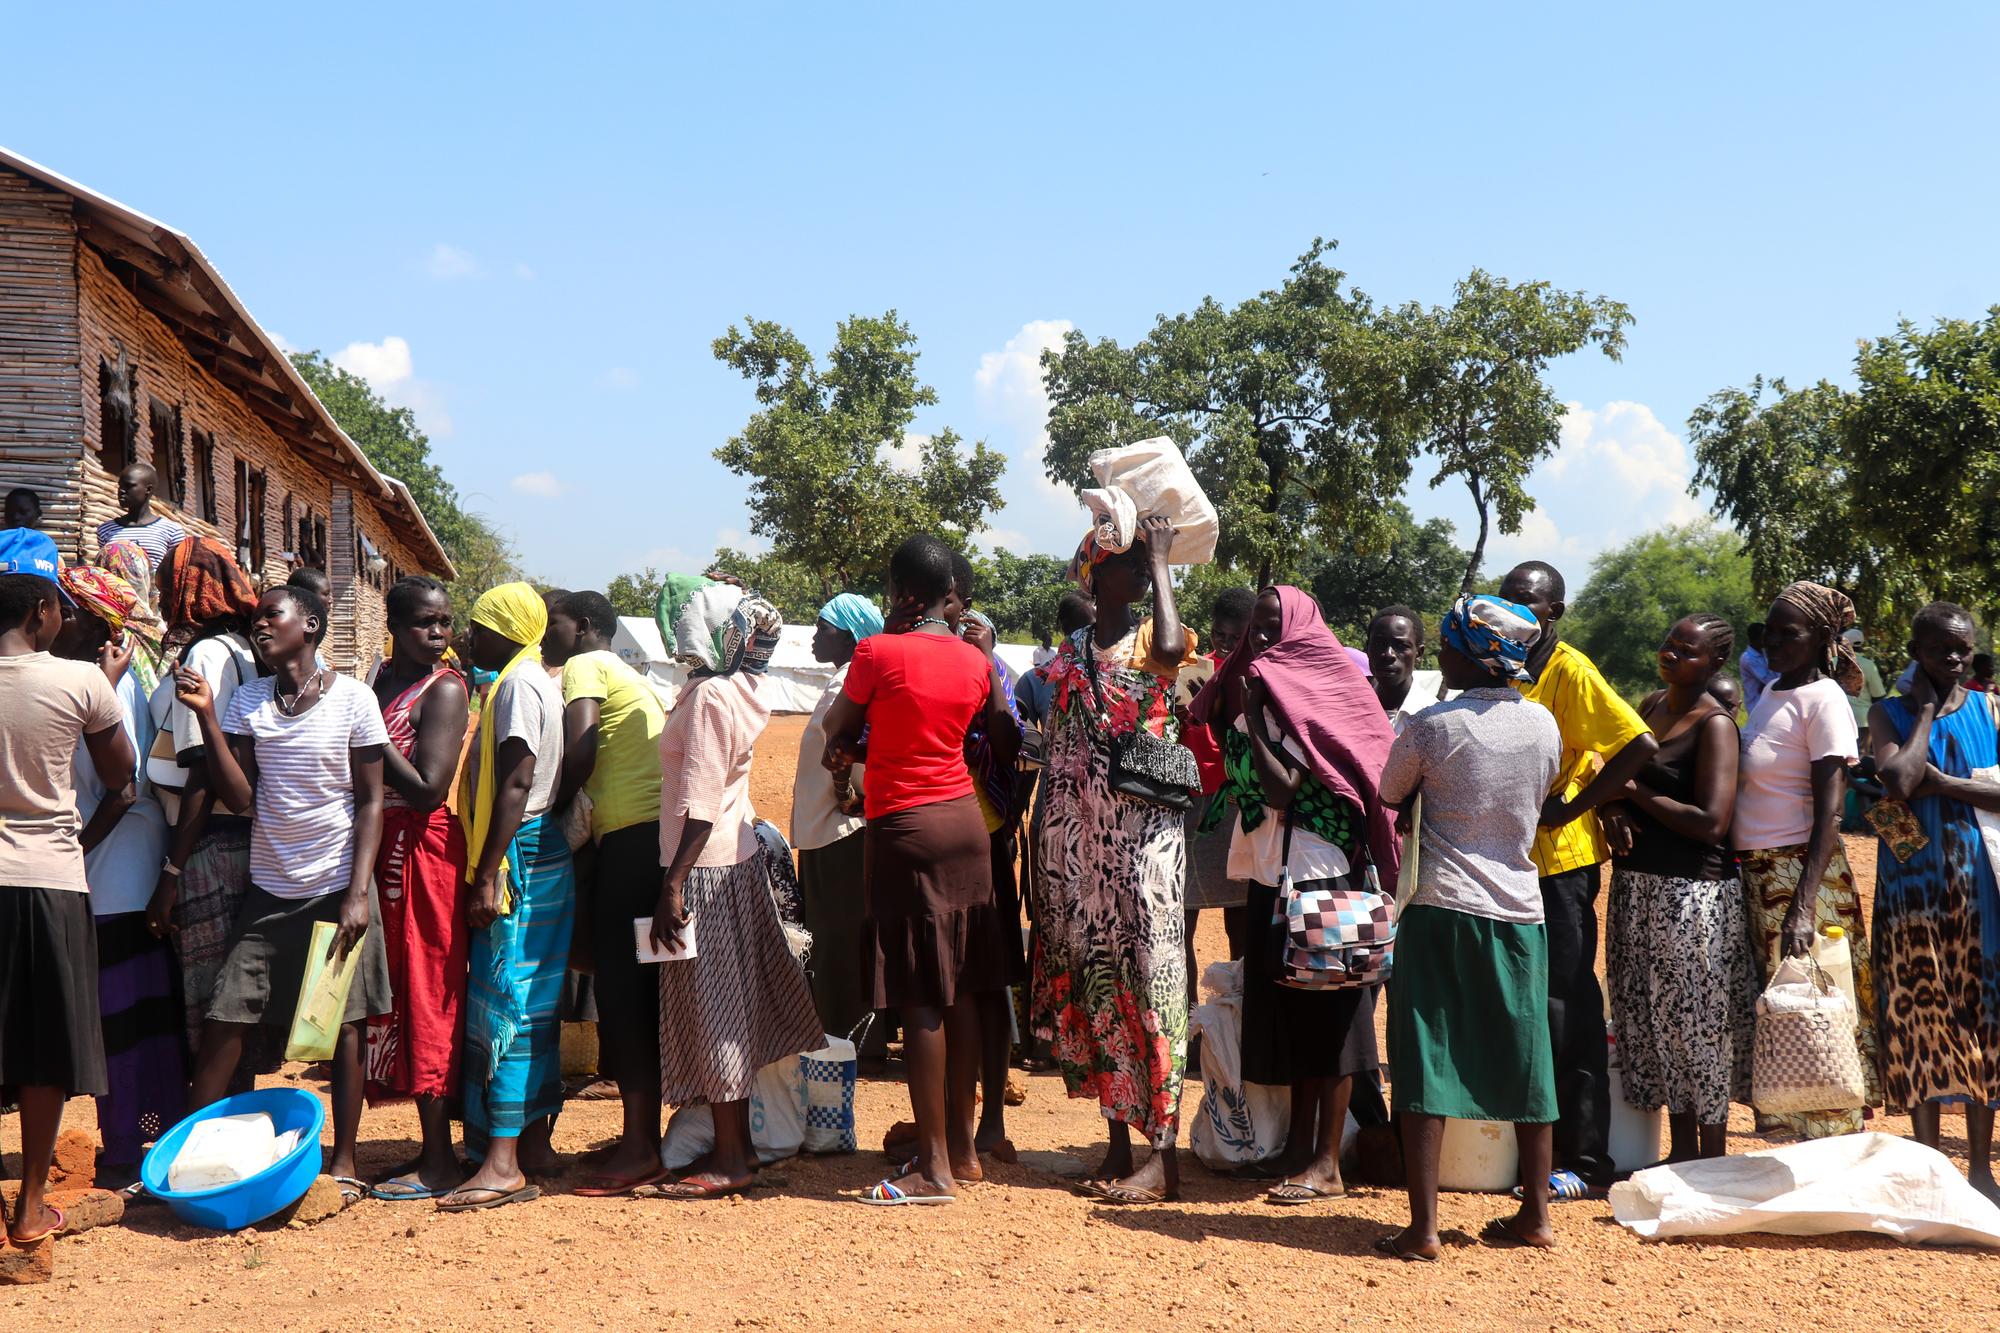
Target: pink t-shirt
[1787,732]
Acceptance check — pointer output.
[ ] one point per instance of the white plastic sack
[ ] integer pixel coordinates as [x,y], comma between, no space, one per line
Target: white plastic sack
[1853,1182]
[1152,478]
[1237,1122]
[223,1150]
[829,1075]
[777,1119]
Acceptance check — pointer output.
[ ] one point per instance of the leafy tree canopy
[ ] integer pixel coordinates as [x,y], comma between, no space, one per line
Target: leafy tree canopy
[1640,590]
[1019,593]
[821,490]
[797,592]
[1291,407]
[636,594]
[391,440]
[1476,381]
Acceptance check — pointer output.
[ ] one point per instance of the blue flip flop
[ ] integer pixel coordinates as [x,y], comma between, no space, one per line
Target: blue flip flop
[398,1191]
[1564,1187]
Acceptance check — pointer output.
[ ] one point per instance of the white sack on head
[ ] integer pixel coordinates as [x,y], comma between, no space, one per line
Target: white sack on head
[1154,478]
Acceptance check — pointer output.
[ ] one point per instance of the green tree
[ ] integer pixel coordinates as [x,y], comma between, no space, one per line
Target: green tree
[1489,416]
[1418,565]
[820,489]
[1019,593]
[1292,409]
[1780,463]
[1638,591]
[1922,445]
[390,439]
[636,594]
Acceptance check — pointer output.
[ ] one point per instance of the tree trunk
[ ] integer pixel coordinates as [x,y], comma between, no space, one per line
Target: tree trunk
[1478,547]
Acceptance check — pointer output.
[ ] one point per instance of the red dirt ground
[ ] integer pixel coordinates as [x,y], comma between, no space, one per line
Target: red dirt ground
[1020,1252]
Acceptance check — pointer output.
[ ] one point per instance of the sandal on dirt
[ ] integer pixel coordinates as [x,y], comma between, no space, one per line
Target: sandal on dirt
[501,1198]
[686,1191]
[607,1186]
[1387,1245]
[1130,1195]
[1292,1193]
[884,1194]
[1501,1236]
[55,1228]
[351,1190]
[1564,1187]
[399,1191]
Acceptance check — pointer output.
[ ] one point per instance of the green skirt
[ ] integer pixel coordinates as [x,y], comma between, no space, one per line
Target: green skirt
[1469,1019]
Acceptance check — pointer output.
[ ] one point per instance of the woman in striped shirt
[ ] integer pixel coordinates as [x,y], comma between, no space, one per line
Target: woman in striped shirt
[302,749]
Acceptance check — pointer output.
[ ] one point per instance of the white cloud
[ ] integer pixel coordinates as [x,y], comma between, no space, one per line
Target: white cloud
[619,377]
[1008,388]
[446,262]
[1640,455]
[737,540]
[390,368]
[541,485]
[669,560]
[908,455]
[1538,539]
[523,272]
[1004,539]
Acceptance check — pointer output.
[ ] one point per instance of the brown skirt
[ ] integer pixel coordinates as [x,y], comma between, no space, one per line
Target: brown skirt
[930,934]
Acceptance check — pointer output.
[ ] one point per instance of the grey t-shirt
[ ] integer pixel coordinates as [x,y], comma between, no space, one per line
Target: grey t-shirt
[529,704]
[1485,762]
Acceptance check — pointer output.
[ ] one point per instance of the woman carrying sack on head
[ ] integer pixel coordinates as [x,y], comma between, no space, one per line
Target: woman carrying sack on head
[1109,970]
[1304,739]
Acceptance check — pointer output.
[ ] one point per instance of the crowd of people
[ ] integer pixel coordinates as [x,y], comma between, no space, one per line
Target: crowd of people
[189,790]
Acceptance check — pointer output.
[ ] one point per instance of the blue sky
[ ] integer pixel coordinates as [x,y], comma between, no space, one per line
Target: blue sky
[529,225]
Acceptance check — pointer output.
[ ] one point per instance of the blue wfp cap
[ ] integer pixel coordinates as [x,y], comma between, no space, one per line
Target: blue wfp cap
[28,551]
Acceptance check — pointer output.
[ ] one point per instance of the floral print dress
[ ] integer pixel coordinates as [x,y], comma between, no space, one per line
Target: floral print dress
[1109,971]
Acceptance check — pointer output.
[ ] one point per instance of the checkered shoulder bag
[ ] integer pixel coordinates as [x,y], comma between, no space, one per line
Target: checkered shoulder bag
[1335,939]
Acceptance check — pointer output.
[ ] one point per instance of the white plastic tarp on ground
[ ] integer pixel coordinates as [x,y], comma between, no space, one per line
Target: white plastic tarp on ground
[1855,1182]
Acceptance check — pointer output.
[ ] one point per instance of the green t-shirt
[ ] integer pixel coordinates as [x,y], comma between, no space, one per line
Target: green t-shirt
[624,787]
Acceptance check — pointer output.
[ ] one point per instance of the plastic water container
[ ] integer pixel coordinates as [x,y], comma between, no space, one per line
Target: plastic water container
[1635,1134]
[279,1186]
[1479,1156]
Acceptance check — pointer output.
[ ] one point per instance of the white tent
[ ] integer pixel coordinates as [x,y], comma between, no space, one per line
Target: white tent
[793,684]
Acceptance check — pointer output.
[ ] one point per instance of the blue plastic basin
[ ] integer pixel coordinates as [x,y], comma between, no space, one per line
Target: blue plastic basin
[277,1187]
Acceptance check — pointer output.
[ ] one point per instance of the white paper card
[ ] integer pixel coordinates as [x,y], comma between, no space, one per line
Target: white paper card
[642,938]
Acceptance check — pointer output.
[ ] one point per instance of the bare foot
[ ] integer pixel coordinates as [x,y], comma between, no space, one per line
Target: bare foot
[1983,1182]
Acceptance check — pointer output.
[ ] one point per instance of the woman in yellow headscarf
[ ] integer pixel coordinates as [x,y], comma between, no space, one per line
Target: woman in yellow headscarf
[523,906]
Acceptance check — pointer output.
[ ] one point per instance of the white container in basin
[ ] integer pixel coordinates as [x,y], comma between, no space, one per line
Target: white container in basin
[1479,1156]
[1635,1134]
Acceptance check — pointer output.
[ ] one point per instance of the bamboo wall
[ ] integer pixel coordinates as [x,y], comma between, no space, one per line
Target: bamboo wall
[62,313]
[41,380]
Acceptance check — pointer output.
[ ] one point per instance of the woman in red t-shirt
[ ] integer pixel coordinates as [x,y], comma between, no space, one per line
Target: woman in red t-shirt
[929,882]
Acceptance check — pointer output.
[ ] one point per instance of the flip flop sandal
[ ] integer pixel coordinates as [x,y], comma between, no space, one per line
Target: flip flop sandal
[611,1187]
[54,1229]
[884,1194]
[1564,1187]
[688,1191]
[1300,1194]
[500,1199]
[1387,1245]
[351,1190]
[398,1191]
[1501,1236]
[1130,1196]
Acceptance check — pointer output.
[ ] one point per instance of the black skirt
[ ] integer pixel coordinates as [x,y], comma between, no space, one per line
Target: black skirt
[50,1032]
[930,931]
[265,968]
[1290,1034]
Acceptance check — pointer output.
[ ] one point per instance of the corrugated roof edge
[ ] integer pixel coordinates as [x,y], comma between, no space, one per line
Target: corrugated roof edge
[387,485]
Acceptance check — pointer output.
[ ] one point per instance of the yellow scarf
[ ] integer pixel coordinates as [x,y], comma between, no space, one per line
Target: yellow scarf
[517,613]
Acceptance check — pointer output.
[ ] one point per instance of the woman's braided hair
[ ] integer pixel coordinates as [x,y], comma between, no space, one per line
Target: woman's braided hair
[1721,634]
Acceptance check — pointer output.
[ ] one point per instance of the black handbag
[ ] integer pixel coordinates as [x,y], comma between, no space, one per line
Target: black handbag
[1144,766]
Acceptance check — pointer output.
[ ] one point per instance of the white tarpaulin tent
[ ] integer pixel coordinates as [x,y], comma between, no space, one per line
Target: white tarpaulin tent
[793,684]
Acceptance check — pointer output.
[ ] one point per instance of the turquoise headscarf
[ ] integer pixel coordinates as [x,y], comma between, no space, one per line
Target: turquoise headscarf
[1495,633]
[853,613]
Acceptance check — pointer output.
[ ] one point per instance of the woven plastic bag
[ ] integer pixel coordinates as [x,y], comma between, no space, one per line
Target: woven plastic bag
[1806,1059]
[1237,1122]
[830,1073]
